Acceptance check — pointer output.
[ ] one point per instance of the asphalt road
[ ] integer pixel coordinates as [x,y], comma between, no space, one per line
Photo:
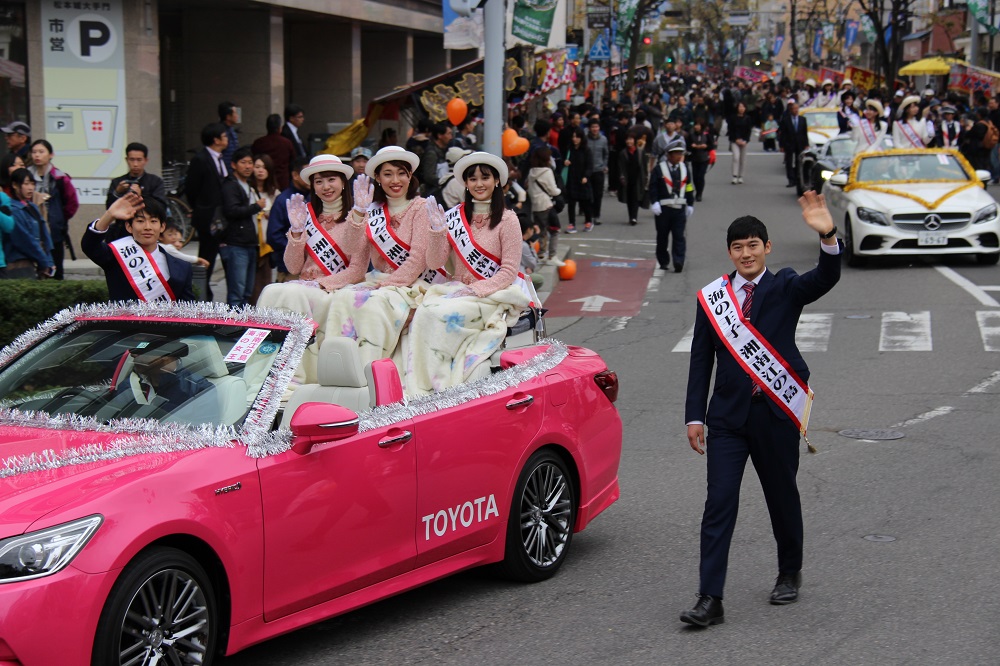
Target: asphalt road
[901,535]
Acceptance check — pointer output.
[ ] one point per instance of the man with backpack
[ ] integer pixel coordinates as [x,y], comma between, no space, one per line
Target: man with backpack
[980,140]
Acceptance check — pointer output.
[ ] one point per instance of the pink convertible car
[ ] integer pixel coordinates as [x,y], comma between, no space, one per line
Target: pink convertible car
[165,496]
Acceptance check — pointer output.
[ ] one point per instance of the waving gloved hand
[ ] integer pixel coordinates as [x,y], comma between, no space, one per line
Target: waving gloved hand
[363,193]
[298,213]
[435,214]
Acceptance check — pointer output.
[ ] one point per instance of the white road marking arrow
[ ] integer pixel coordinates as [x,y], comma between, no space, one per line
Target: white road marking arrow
[594,303]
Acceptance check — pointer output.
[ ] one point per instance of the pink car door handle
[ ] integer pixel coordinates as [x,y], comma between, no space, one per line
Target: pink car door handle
[402,438]
[517,403]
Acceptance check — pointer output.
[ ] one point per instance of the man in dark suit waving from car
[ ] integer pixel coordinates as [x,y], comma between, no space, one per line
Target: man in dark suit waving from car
[746,324]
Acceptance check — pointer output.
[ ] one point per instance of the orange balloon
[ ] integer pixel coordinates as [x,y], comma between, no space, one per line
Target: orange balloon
[567,272]
[457,110]
[508,137]
[518,146]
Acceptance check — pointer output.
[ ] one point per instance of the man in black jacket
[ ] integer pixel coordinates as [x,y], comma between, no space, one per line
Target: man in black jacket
[794,139]
[238,242]
[135,266]
[203,187]
[295,116]
[146,185]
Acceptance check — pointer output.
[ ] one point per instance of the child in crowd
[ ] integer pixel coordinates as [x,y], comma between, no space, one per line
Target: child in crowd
[529,260]
[172,240]
[769,134]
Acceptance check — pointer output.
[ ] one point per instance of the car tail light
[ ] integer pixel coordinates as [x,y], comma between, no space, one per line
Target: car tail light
[607,381]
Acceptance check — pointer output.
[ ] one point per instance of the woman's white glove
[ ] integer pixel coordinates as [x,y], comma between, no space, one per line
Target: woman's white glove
[363,193]
[435,214]
[298,213]
[656,208]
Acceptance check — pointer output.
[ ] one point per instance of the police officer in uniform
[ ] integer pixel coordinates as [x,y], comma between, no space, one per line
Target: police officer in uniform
[672,194]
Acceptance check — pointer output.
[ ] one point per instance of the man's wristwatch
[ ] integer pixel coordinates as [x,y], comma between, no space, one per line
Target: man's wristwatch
[829,234]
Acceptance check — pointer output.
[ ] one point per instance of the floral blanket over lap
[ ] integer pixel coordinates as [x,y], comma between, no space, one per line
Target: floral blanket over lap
[373,317]
[453,338]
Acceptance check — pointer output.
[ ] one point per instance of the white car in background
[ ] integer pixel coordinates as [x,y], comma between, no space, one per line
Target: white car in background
[914,202]
[821,125]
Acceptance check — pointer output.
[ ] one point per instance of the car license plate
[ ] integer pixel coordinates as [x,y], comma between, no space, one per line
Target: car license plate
[925,238]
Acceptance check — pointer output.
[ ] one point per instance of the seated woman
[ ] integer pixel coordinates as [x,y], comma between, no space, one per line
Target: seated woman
[319,250]
[391,221]
[459,325]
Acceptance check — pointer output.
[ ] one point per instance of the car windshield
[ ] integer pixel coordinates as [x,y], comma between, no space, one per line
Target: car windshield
[840,149]
[172,372]
[910,166]
[822,119]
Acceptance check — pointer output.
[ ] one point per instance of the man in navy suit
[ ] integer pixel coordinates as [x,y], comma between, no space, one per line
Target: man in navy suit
[794,134]
[745,421]
[135,266]
[203,187]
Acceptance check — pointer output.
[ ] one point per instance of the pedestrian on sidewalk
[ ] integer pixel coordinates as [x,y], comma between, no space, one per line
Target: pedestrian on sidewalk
[576,170]
[542,190]
[740,129]
[756,416]
[633,176]
[597,145]
[238,243]
[57,196]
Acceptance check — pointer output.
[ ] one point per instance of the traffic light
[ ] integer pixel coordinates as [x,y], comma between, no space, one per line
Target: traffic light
[647,40]
[670,59]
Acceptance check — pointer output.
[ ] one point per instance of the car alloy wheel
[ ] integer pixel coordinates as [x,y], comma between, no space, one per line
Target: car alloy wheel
[853,260]
[161,610]
[540,526]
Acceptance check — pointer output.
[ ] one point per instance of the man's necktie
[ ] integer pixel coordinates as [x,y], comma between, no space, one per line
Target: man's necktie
[747,304]
[222,169]
[748,301]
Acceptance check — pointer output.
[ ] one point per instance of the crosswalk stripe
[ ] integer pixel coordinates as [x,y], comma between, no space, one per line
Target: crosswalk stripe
[684,344]
[905,331]
[989,329]
[813,332]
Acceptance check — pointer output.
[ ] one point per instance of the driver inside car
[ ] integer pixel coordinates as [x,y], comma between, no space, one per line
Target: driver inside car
[158,372]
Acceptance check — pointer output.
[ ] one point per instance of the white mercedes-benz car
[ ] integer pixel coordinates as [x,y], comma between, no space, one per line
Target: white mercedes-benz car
[914,202]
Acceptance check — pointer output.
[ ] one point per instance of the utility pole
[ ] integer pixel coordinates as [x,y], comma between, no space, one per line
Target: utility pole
[494,102]
[973,39]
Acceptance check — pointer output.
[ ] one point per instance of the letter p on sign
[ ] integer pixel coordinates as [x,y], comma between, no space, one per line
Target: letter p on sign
[92,38]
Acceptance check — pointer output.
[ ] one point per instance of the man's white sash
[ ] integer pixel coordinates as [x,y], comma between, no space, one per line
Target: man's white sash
[393,250]
[477,260]
[945,126]
[910,134]
[141,271]
[676,198]
[754,354]
[322,248]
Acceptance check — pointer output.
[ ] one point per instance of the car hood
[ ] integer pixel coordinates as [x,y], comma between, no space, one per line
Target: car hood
[820,135]
[970,200]
[28,495]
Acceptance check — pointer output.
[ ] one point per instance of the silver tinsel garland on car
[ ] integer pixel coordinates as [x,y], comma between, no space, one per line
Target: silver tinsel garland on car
[133,437]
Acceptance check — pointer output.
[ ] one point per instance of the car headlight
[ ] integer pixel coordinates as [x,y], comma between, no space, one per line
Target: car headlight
[825,174]
[872,217]
[44,552]
[987,214]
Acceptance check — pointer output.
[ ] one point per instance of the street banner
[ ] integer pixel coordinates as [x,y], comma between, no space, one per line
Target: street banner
[829,31]
[533,20]
[981,11]
[779,41]
[762,48]
[863,78]
[968,80]
[818,44]
[832,74]
[598,18]
[461,32]
[803,73]
[643,74]
[850,34]
[83,58]
[750,75]
[868,27]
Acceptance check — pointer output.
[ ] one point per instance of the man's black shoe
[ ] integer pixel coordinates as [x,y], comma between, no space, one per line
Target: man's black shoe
[678,268]
[706,612]
[790,185]
[786,588]
[697,197]
[664,267]
[632,223]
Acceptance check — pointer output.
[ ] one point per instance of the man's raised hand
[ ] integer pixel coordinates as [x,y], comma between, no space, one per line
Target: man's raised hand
[127,206]
[815,212]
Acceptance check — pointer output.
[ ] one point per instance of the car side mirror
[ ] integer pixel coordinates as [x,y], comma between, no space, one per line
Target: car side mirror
[318,422]
[983,175]
[838,179]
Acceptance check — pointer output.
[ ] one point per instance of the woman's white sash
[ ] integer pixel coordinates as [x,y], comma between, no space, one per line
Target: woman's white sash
[322,248]
[392,249]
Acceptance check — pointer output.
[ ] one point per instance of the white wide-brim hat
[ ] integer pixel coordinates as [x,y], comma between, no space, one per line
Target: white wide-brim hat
[875,104]
[322,163]
[481,157]
[912,99]
[391,154]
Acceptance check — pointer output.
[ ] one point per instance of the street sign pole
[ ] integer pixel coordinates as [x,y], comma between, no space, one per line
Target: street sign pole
[494,103]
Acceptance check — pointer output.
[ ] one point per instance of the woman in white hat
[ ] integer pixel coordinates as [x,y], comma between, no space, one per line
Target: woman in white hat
[869,133]
[827,96]
[807,96]
[911,130]
[321,251]
[459,325]
[390,221]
